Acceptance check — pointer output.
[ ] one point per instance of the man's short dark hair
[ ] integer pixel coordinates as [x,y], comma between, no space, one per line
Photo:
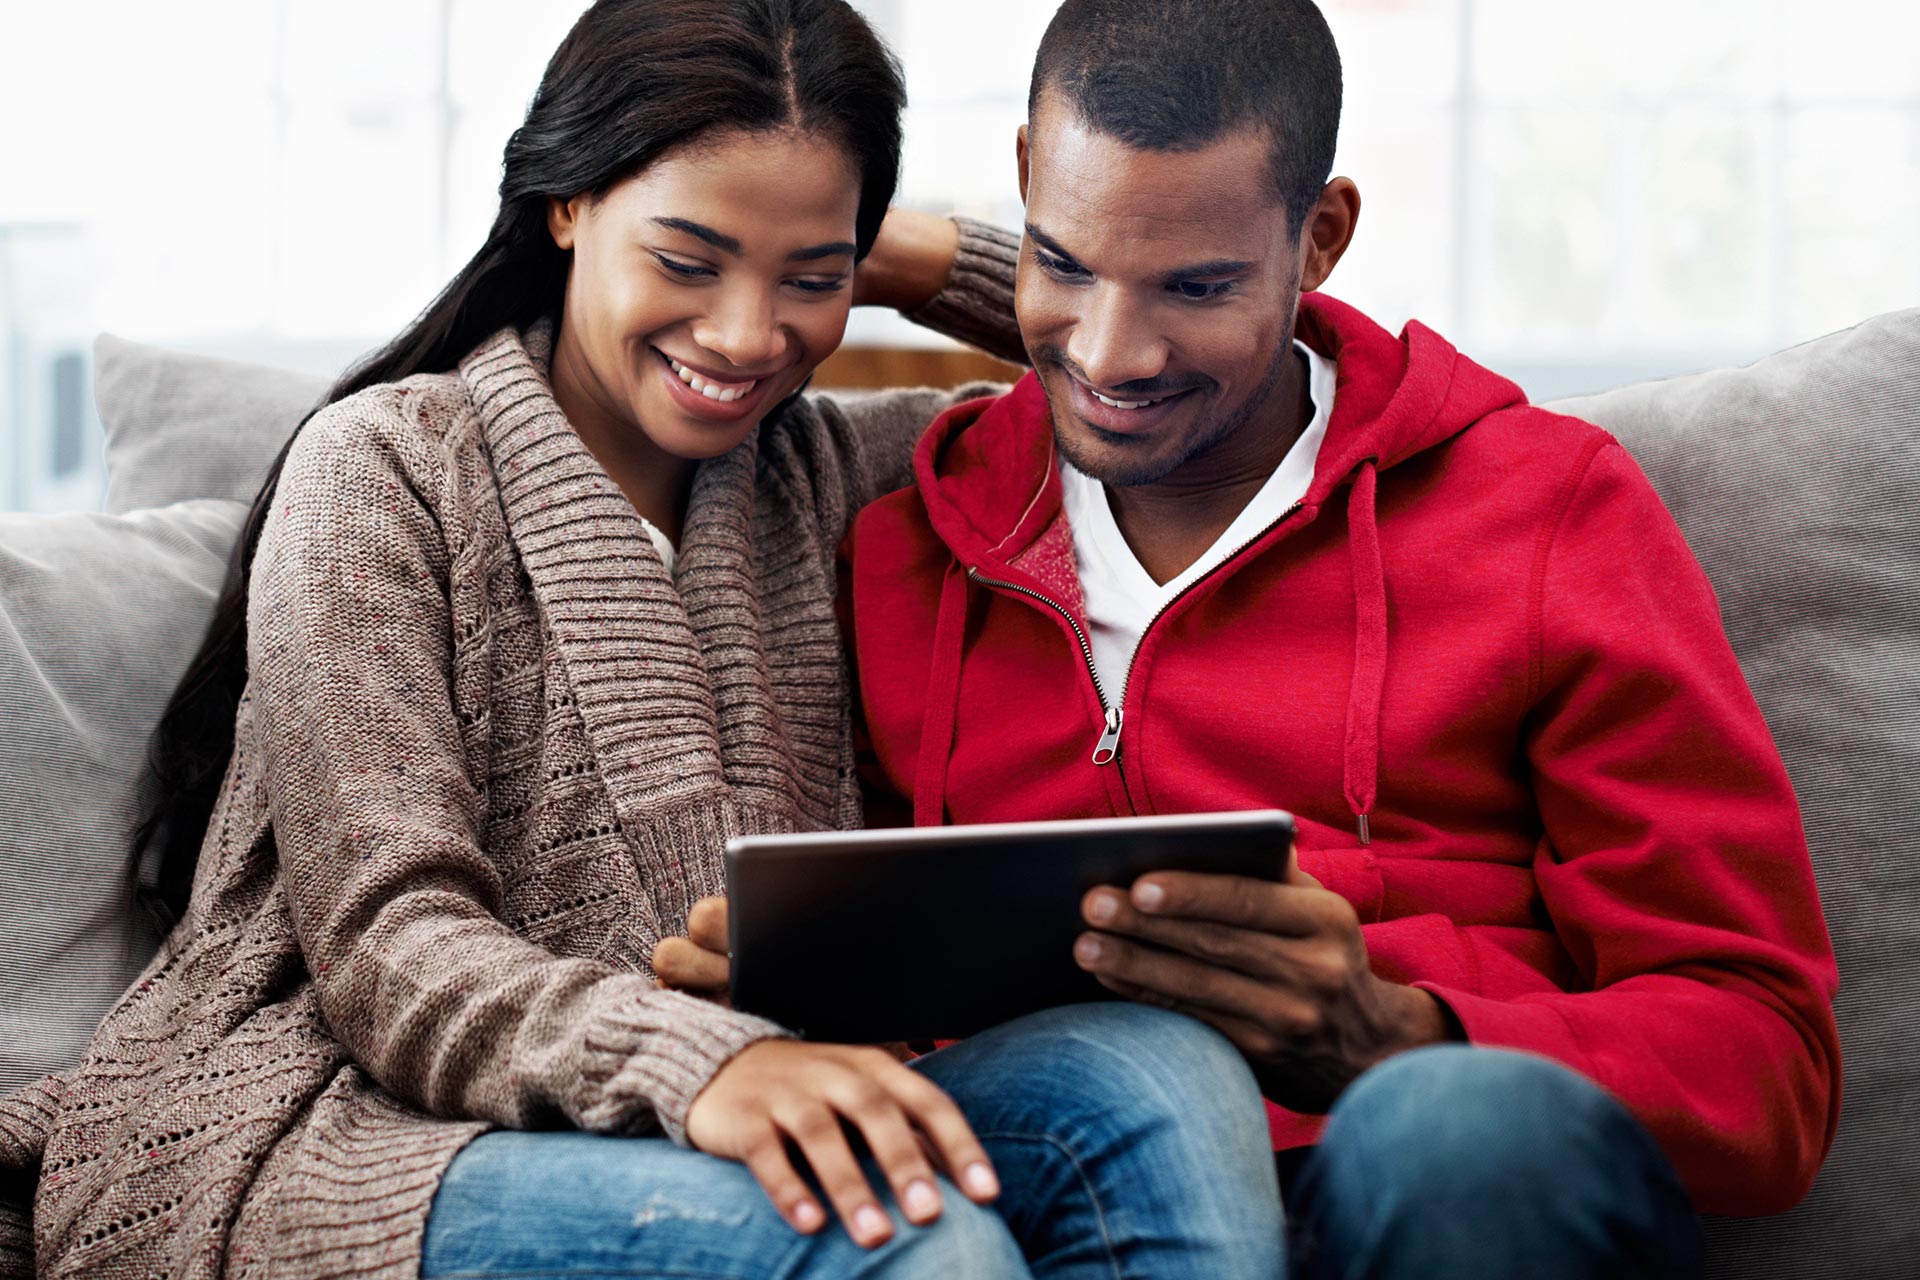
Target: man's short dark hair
[1176,75]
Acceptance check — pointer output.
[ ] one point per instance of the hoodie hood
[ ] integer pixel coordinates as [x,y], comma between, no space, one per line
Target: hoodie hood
[985,469]
[986,472]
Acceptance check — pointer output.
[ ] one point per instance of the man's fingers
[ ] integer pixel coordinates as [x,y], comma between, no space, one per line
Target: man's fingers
[816,1130]
[1179,981]
[952,1138]
[766,1159]
[1293,910]
[707,924]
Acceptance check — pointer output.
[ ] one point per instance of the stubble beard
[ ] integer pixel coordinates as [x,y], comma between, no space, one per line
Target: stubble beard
[1115,468]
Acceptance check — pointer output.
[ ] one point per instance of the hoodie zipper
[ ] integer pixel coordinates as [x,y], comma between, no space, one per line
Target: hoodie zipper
[1107,749]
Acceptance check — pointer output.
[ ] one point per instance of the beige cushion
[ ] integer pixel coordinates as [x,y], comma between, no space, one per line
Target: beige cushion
[1796,482]
[184,426]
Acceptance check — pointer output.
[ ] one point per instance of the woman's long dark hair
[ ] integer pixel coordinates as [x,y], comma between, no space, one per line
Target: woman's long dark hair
[633,79]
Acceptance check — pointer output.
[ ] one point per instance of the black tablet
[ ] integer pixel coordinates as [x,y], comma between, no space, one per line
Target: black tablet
[939,932]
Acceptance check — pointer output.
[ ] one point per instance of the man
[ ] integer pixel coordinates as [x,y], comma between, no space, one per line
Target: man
[1234,546]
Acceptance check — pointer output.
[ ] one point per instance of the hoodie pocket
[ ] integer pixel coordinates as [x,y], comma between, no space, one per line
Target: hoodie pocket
[1351,872]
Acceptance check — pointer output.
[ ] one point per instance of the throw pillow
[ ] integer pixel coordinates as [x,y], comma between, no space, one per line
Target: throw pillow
[99,616]
[1796,481]
[184,426]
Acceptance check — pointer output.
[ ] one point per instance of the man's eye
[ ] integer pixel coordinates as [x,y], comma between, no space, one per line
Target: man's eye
[1200,291]
[1059,267]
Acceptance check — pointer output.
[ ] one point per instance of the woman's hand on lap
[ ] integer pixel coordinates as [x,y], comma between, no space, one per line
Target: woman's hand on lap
[780,1092]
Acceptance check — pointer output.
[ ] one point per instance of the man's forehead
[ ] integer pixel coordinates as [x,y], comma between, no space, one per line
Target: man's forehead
[1092,193]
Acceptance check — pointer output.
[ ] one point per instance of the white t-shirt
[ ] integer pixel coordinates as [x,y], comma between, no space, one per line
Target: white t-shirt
[1122,597]
[660,544]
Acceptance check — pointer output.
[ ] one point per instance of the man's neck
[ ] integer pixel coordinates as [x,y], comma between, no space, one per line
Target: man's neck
[1171,523]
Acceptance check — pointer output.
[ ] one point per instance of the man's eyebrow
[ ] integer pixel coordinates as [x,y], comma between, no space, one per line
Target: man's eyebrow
[1205,270]
[1048,243]
[724,243]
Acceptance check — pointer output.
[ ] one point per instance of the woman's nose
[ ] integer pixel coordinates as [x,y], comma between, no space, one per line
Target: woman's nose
[743,329]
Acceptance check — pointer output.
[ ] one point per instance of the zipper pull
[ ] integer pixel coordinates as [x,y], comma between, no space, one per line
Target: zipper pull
[1105,750]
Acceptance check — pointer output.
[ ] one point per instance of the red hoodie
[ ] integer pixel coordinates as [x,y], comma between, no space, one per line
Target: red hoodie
[1481,636]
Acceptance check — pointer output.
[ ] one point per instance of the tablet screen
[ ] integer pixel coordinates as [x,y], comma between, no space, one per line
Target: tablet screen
[940,932]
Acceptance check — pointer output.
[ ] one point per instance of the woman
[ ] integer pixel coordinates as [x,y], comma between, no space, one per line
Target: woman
[540,615]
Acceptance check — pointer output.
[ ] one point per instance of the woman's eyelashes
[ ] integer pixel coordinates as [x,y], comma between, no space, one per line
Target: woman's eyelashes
[693,272]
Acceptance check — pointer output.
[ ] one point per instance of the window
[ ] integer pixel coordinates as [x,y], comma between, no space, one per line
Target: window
[1577,195]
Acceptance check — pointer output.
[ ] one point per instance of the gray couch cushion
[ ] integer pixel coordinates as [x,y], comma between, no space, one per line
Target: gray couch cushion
[99,616]
[1797,482]
[184,426]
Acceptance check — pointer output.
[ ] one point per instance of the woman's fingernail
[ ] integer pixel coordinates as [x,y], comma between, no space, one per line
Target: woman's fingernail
[1149,895]
[869,1223]
[807,1216]
[979,1180]
[922,1200]
[1101,908]
[1087,950]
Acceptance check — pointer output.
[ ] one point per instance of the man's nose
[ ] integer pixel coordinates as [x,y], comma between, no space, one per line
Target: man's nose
[743,328]
[1113,343]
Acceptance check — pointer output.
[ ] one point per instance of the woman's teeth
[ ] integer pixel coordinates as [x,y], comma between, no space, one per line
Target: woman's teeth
[723,391]
[1122,404]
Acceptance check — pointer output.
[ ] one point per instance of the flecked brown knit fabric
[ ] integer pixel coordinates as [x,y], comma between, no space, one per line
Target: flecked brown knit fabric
[489,753]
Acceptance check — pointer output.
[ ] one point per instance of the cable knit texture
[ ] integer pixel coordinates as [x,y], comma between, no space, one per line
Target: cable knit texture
[490,752]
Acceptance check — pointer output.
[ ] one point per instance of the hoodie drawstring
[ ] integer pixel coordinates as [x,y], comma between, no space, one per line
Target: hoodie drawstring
[1362,771]
[943,701]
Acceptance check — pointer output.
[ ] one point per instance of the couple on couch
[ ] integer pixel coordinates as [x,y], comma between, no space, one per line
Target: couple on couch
[574,581]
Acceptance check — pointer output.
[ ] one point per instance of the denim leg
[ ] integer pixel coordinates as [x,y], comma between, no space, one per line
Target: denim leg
[1459,1163]
[1129,1142]
[578,1206]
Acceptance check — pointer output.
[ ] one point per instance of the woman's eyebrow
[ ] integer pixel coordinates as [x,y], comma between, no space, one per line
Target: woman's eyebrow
[833,250]
[699,231]
[727,244]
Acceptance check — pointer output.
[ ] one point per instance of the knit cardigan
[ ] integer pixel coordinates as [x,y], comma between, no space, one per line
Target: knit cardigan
[489,753]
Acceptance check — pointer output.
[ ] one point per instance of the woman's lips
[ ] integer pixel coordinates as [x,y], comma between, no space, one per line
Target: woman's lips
[709,398]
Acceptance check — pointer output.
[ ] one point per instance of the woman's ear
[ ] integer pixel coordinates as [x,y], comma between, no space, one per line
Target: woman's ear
[562,217]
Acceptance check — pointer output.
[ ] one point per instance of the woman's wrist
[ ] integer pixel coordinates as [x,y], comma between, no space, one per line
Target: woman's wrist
[910,262]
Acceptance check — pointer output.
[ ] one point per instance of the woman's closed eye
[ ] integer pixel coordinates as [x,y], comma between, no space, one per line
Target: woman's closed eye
[695,272]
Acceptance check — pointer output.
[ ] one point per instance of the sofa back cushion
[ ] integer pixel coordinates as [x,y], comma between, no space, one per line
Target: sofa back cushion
[1796,482]
[184,426]
[99,616]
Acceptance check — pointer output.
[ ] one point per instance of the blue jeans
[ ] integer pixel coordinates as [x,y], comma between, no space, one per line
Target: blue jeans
[1456,1163]
[1128,1141]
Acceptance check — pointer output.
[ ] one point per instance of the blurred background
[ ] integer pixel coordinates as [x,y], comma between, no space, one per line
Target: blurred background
[1578,195]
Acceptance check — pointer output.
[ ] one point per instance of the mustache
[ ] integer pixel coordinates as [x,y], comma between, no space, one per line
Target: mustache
[1139,388]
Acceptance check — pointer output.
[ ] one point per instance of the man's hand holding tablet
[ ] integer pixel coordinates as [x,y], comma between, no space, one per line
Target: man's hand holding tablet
[1279,968]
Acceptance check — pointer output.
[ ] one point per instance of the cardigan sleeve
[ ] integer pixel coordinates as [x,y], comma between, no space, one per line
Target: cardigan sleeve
[1672,864]
[378,823]
[879,429]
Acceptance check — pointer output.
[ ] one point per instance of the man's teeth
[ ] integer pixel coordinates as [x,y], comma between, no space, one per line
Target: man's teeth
[723,391]
[1122,404]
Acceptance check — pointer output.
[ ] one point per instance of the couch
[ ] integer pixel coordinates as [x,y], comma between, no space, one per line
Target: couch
[1796,480]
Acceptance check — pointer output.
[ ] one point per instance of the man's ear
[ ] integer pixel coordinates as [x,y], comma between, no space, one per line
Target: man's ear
[1328,231]
[562,217]
[1020,157]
